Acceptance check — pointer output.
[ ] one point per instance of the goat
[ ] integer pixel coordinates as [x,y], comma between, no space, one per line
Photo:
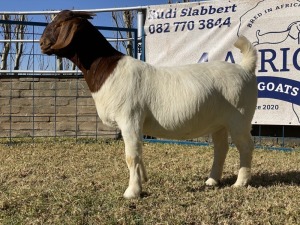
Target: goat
[181,102]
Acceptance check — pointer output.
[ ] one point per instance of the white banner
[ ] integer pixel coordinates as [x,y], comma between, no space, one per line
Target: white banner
[204,31]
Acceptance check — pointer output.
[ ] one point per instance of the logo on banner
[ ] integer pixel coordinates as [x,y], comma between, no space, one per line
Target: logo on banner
[278,44]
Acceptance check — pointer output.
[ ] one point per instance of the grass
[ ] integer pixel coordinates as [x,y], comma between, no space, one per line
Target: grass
[65,182]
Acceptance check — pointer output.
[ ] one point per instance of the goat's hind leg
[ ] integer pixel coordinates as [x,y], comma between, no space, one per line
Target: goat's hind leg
[245,146]
[220,140]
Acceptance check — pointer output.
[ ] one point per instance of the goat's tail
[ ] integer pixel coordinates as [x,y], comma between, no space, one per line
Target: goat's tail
[249,54]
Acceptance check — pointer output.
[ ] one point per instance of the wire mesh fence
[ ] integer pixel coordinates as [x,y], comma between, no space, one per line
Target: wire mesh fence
[45,96]
[49,106]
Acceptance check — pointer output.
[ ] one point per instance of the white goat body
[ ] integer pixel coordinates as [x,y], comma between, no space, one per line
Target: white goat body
[182,102]
[177,102]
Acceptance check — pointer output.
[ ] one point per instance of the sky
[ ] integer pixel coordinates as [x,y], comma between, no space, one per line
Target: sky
[37,5]
[103,19]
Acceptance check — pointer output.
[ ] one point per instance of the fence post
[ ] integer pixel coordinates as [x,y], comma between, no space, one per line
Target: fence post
[283,135]
[140,27]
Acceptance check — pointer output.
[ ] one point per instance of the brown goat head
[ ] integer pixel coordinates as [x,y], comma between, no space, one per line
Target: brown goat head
[59,33]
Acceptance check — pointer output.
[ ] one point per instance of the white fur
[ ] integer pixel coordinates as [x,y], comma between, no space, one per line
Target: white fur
[182,102]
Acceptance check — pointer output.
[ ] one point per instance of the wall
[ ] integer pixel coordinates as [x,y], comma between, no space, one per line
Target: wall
[49,106]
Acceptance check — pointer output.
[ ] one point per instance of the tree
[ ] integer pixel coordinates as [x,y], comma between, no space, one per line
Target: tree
[10,32]
[59,60]
[20,30]
[6,45]
[125,19]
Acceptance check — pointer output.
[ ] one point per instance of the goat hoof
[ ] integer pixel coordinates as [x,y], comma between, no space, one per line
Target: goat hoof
[131,193]
[211,182]
[240,184]
[243,178]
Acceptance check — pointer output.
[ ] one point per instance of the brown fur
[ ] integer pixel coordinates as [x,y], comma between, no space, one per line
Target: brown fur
[72,36]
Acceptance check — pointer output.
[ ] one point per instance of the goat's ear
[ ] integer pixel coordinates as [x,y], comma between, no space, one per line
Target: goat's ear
[66,34]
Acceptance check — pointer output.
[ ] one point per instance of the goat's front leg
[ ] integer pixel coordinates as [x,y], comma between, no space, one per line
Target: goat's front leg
[220,140]
[137,172]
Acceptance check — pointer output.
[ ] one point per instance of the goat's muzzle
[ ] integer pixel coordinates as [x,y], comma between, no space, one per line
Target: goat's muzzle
[45,45]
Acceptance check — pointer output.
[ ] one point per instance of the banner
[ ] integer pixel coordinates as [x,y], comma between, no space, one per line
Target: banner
[197,32]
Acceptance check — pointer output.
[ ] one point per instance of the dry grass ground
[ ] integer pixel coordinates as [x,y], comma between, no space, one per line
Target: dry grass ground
[64,182]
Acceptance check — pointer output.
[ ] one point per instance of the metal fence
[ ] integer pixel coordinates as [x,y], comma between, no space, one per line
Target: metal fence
[45,96]
[39,99]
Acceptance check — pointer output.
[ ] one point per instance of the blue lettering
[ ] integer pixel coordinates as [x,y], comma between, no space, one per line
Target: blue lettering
[278,88]
[284,59]
[295,57]
[203,10]
[183,12]
[203,58]
[229,56]
[265,60]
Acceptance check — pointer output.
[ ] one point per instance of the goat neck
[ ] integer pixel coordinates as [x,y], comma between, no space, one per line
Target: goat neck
[94,56]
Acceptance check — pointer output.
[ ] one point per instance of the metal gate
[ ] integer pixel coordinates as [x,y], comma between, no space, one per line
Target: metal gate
[41,99]
[45,96]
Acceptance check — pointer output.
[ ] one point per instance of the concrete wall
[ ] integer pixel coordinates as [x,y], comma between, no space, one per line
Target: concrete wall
[49,107]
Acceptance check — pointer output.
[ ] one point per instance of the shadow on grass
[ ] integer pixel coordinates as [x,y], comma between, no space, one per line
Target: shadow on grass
[268,179]
[258,180]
